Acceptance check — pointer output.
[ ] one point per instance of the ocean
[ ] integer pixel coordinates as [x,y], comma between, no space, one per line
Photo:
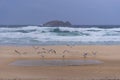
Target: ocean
[36,35]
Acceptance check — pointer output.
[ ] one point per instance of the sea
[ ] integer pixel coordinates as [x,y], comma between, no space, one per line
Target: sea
[80,35]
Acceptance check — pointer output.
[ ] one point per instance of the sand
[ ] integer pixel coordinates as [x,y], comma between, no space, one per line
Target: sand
[109,70]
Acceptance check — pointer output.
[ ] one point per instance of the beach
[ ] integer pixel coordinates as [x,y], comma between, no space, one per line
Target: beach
[59,40]
[108,70]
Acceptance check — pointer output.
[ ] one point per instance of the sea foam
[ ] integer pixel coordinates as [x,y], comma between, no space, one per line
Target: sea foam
[50,35]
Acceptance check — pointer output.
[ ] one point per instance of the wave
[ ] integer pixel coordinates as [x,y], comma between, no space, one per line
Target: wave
[37,34]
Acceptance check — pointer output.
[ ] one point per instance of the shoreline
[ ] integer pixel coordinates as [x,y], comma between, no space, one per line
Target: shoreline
[62,45]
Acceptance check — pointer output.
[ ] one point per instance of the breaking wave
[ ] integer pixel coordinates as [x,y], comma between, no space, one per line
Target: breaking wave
[50,35]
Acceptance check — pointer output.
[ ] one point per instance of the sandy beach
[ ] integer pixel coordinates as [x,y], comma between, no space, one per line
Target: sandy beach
[108,70]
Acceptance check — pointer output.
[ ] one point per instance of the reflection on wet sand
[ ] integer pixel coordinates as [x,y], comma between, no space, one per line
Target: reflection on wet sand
[54,62]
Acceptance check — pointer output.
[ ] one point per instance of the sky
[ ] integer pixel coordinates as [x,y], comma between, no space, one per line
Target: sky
[79,12]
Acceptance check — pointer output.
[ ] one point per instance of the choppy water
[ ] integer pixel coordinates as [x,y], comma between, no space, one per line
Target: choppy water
[36,35]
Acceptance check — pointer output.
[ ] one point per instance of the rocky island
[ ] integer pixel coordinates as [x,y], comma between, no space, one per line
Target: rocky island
[58,23]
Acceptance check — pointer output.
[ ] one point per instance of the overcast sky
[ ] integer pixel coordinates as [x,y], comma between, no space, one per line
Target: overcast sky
[76,11]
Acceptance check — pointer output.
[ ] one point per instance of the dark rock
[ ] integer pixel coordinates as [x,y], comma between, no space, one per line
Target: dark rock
[57,23]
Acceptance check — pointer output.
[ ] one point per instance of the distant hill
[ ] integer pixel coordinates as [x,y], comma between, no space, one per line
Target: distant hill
[58,23]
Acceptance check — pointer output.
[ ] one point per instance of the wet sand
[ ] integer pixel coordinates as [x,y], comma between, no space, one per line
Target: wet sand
[109,70]
[55,62]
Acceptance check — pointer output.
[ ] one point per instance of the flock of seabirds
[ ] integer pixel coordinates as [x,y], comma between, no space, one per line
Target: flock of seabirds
[52,51]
